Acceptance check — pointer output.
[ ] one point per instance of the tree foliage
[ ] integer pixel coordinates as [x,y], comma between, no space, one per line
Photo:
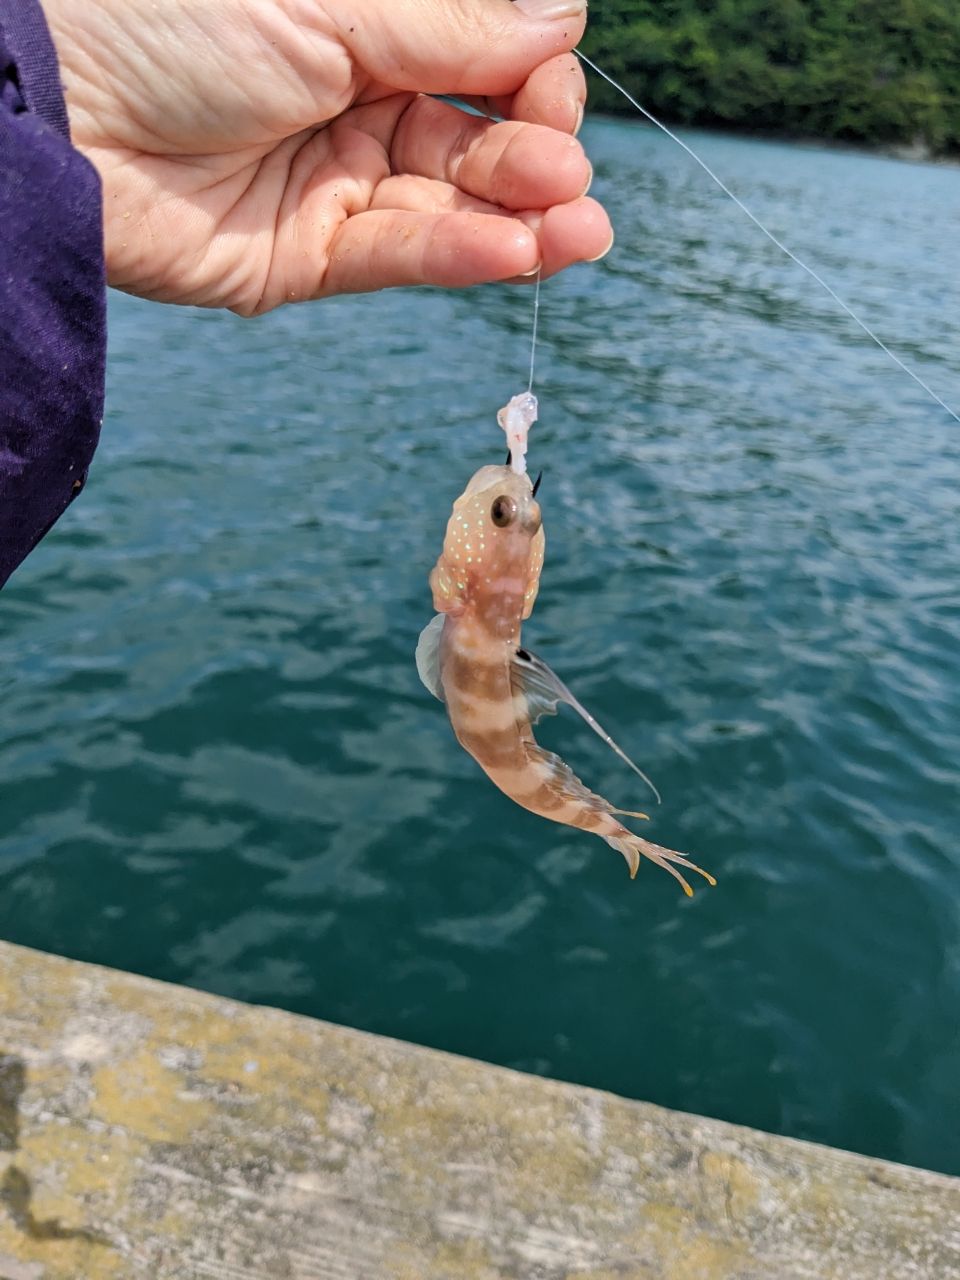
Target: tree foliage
[873,71]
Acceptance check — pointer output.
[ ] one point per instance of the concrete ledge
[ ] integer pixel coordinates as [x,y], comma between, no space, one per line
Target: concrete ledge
[155,1133]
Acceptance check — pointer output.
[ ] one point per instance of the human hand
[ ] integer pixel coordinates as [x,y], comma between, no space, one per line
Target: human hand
[255,152]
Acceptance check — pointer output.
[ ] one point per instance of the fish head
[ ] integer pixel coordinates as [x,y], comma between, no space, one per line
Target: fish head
[493,551]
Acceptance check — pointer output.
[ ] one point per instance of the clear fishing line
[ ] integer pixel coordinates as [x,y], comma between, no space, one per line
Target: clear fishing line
[536,322]
[770,236]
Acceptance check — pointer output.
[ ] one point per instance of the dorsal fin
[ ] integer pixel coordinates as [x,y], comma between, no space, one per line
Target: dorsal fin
[544,690]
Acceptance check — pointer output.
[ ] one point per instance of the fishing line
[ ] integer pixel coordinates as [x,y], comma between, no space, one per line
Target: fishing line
[536,321]
[770,236]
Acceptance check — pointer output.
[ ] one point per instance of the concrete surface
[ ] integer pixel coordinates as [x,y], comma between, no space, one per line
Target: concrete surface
[155,1133]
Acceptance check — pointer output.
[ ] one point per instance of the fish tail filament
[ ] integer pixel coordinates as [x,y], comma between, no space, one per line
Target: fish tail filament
[632,847]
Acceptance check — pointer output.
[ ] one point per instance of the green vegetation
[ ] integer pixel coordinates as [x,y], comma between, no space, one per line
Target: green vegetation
[872,71]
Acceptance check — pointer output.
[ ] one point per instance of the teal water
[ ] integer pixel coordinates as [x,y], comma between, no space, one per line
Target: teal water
[219,768]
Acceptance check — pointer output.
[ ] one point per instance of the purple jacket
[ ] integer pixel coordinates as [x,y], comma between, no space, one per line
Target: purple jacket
[52,292]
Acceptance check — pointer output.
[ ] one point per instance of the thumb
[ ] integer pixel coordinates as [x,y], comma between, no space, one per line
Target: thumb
[477,47]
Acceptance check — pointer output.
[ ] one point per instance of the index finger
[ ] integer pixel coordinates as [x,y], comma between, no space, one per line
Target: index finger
[554,95]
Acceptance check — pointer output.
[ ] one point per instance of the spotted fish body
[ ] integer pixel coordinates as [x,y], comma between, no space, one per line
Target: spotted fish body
[470,656]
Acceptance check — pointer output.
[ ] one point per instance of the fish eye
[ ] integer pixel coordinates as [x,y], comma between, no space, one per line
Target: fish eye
[503,512]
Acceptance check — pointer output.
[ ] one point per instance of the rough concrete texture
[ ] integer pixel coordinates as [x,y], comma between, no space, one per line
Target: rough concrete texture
[155,1133]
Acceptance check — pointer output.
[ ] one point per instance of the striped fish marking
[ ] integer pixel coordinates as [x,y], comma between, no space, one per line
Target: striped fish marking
[470,656]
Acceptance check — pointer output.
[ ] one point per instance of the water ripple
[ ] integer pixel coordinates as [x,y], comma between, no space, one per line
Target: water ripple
[218,765]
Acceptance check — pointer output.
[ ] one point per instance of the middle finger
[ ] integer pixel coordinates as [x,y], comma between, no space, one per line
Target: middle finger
[509,163]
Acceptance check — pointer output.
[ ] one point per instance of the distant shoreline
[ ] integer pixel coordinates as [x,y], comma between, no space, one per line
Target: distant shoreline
[907,153]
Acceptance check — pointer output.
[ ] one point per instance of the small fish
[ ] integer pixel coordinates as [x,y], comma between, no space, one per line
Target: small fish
[470,657]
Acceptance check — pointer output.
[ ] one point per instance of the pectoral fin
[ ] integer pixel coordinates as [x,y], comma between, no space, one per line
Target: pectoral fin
[544,691]
[428,656]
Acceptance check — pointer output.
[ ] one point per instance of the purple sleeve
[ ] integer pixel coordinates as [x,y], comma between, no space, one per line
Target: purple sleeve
[52,292]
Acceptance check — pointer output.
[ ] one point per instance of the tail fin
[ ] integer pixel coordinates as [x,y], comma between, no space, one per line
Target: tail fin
[632,847]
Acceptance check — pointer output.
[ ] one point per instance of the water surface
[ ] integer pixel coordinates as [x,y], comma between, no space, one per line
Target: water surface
[218,766]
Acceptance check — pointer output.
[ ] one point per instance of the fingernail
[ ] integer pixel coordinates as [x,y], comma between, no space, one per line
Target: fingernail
[589,180]
[577,127]
[548,10]
[605,252]
[525,274]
